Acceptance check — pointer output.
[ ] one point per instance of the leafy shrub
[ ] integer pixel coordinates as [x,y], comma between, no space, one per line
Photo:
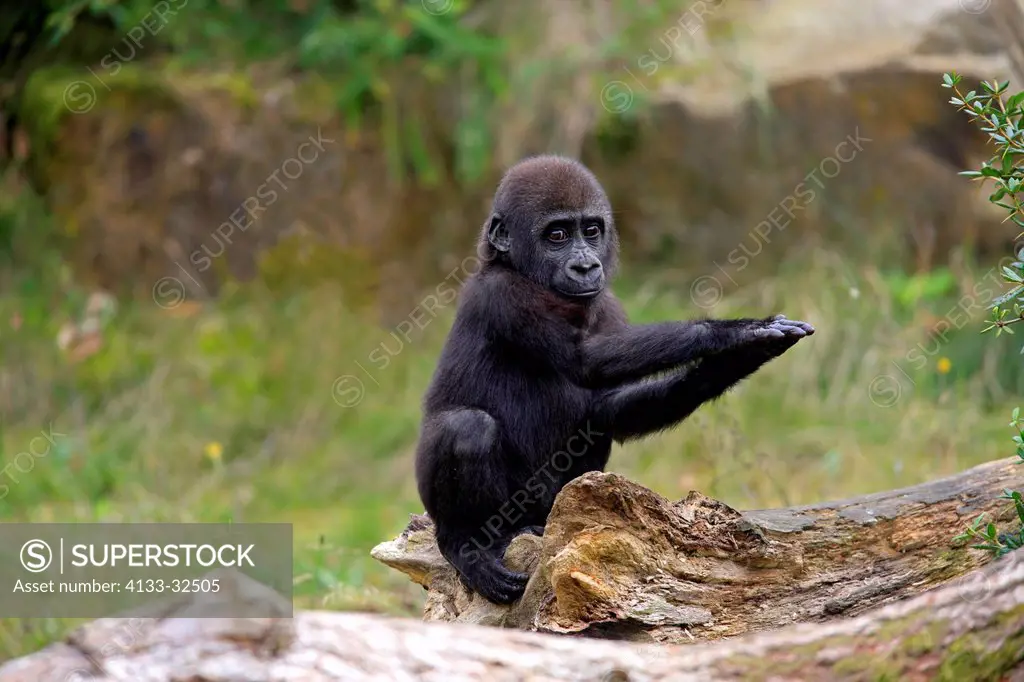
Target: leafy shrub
[1001,119]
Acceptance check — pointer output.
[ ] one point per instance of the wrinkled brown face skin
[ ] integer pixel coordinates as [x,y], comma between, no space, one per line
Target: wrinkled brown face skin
[552,222]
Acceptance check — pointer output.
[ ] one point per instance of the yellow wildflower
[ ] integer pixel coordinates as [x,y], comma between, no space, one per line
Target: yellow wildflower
[944,365]
[213,451]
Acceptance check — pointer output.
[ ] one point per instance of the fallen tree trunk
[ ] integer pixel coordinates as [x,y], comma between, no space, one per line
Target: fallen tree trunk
[973,630]
[618,560]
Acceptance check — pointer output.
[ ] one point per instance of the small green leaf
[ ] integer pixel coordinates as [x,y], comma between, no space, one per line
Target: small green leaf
[994,548]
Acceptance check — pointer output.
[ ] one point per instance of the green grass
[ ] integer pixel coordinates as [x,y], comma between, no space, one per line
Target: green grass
[254,373]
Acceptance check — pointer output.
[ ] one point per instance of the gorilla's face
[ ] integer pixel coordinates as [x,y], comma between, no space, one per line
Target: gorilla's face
[571,252]
[552,222]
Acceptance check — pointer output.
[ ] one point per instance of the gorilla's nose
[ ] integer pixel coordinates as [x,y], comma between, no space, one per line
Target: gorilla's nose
[585,269]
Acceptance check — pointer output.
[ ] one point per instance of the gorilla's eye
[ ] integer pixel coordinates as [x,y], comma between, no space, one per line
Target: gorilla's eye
[592,231]
[558,235]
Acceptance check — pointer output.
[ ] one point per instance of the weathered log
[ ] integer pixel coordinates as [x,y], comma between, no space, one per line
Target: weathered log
[619,561]
[973,630]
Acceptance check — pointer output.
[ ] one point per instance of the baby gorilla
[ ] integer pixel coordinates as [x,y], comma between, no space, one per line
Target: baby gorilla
[541,370]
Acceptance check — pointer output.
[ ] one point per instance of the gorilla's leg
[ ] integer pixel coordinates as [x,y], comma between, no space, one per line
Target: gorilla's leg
[467,485]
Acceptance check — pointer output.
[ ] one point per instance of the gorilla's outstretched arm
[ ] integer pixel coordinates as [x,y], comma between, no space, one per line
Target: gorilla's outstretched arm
[632,353]
[636,410]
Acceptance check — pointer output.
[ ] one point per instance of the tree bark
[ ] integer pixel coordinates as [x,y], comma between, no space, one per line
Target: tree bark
[618,560]
[972,630]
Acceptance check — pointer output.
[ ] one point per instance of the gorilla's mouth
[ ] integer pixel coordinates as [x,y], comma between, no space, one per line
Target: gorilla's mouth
[590,293]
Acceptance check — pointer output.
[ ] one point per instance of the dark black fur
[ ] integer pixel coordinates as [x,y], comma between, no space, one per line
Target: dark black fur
[541,370]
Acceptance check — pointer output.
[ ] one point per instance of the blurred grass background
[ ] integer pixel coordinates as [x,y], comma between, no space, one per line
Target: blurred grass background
[224,408]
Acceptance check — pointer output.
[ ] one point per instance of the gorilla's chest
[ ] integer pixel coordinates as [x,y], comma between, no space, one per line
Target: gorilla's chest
[545,416]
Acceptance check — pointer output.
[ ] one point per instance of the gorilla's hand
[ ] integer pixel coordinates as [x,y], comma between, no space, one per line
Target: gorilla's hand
[774,335]
[780,326]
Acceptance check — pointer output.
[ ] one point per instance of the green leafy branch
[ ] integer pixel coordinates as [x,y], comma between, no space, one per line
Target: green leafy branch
[986,534]
[1000,117]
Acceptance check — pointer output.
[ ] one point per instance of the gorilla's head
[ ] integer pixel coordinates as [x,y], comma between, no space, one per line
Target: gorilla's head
[551,221]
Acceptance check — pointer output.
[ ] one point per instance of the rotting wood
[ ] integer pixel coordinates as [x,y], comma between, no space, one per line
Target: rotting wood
[620,561]
[972,630]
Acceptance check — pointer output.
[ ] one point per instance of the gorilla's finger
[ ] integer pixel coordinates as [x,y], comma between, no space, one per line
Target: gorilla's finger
[797,323]
[789,330]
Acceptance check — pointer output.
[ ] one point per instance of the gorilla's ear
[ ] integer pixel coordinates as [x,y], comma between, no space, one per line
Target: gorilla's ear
[497,234]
